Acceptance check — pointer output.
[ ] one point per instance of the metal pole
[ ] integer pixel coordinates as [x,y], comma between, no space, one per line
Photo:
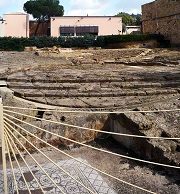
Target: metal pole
[3,148]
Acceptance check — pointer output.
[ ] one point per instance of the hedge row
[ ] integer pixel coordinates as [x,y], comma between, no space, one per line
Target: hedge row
[18,44]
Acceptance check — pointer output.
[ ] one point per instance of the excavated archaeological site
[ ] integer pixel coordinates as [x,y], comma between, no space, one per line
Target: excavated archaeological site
[102,80]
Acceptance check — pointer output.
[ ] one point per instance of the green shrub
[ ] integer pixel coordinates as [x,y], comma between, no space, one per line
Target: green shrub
[18,44]
[8,43]
[105,40]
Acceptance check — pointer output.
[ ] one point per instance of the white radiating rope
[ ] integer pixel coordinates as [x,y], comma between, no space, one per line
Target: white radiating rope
[89,129]
[57,165]
[88,146]
[8,136]
[14,155]
[74,158]
[91,112]
[34,159]
[12,167]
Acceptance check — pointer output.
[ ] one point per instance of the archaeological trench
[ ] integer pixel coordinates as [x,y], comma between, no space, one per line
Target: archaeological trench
[103,80]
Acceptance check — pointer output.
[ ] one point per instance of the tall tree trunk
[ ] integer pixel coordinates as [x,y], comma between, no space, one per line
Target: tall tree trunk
[37,27]
[46,26]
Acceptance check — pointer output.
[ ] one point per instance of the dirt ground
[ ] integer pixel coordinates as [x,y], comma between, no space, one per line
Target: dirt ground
[103,80]
[111,79]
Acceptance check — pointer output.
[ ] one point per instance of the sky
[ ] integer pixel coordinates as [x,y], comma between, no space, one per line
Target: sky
[83,7]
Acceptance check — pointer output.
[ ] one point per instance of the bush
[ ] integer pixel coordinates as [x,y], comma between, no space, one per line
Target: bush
[8,43]
[80,42]
[18,44]
[105,40]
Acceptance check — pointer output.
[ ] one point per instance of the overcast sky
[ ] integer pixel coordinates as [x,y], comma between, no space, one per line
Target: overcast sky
[83,7]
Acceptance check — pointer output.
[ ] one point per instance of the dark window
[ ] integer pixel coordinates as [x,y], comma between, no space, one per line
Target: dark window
[67,30]
[78,30]
[83,30]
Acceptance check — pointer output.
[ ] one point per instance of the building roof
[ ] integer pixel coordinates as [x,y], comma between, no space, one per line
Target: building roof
[133,26]
[86,16]
[16,13]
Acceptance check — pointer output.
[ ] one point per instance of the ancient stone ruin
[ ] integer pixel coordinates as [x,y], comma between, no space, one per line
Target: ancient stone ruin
[100,80]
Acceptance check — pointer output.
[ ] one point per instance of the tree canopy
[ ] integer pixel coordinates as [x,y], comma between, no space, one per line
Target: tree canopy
[130,19]
[42,10]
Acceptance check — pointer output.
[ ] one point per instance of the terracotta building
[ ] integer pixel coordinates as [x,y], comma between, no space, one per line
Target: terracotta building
[81,25]
[1,28]
[16,25]
[162,17]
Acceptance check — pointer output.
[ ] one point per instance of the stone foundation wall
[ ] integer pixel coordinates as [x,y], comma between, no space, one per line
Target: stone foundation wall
[137,44]
[92,121]
[162,16]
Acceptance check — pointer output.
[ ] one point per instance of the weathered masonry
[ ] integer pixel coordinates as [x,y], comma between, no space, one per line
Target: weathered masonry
[162,16]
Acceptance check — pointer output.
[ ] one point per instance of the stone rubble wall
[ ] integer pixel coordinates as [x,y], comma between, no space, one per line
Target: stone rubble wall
[147,125]
[162,16]
[94,121]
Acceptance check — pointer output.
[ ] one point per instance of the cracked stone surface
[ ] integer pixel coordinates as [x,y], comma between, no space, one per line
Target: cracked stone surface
[150,177]
[87,176]
[104,79]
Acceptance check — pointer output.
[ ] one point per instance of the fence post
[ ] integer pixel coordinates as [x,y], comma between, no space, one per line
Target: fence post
[3,149]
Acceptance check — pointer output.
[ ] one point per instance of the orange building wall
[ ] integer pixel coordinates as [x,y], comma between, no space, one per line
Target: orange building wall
[1,29]
[16,25]
[107,25]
